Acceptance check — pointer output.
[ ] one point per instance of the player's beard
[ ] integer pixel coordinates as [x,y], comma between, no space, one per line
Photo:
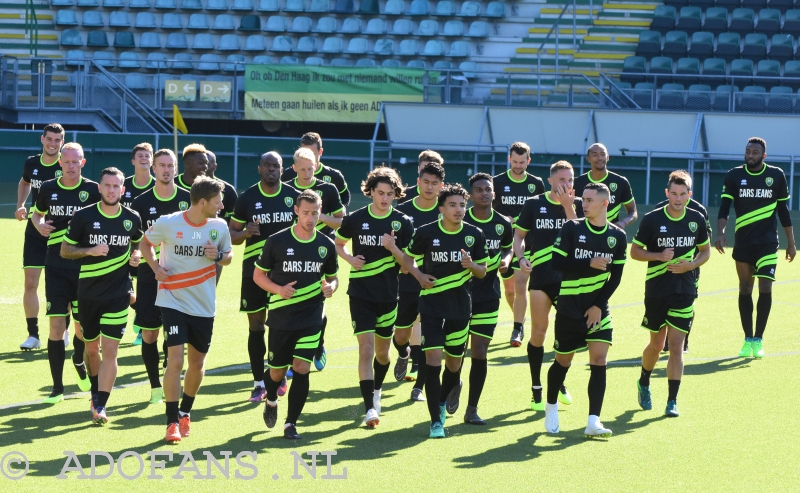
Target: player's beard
[756,165]
[110,204]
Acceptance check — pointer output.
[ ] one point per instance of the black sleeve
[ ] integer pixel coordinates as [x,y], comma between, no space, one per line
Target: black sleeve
[344,196]
[724,208]
[610,286]
[403,238]
[562,248]
[783,214]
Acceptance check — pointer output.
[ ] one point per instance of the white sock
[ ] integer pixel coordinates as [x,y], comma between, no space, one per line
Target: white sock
[594,420]
[272,403]
[182,414]
[551,407]
[260,383]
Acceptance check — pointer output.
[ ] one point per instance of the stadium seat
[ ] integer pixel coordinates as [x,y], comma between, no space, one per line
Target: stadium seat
[166,4]
[416,64]
[343,7]
[728,46]
[753,99]
[755,46]
[332,45]
[104,59]
[368,7]
[703,4]
[306,44]
[698,97]
[791,22]
[702,46]
[716,20]
[183,61]
[177,41]
[351,25]
[445,8]
[255,42]
[469,68]
[768,68]
[300,25]
[478,29]
[113,4]
[269,6]
[649,44]
[151,41]
[203,41]
[229,42]
[408,47]
[209,62]
[357,46]
[663,19]
[66,18]
[714,67]
[63,3]
[198,22]
[156,61]
[495,10]
[341,62]
[390,63]
[459,49]
[671,97]
[419,8]
[97,39]
[636,65]
[171,21]
[383,47]
[318,6]
[282,44]
[233,63]
[782,47]
[375,27]
[191,5]
[442,65]
[262,60]
[145,20]
[242,5]
[314,60]
[275,24]
[92,18]
[688,67]
[742,21]
[470,9]
[250,23]
[741,68]
[402,27]
[675,44]
[224,22]
[295,6]
[428,27]
[124,39]
[75,58]
[365,62]
[135,81]
[676,3]
[723,96]
[620,90]
[119,19]
[780,100]
[769,21]
[129,59]
[394,7]
[791,71]
[326,25]
[689,20]
[217,5]
[139,4]
[433,47]
[728,4]
[88,3]
[643,94]
[453,28]
[754,4]
[662,66]
[782,5]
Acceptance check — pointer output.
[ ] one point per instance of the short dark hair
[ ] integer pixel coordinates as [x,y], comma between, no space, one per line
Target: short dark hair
[434,169]
[165,152]
[144,146]
[558,166]
[308,196]
[205,188]
[111,171]
[759,141]
[479,177]
[680,177]
[55,128]
[449,190]
[600,188]
[520,148]
[429,156]
[311,138]
[383,174]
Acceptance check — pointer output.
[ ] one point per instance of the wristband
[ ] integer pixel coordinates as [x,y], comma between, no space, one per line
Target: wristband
[219,256]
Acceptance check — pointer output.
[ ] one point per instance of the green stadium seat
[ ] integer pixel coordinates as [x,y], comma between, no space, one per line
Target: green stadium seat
[723,96]
[495,10]
[233,63]
[255,42]
[301,25]
[433,47]
[390,63]
[88,3]
[791,22]
[224,22]
[343,7]
[295,6]
[217,5]
[289,60]
[453,28]
[642,94]
[351,25]
[365,62]
[171,21]
[326,25]
[408,47]
[698,97]
[769,21]
[662,67]
[104,59]
[753,99]
[119,19]
[209,62]
[428,27]
[250,23]
[470,9]
[375,27]
[156,61]
[182,61]
[166,4]
[75,58]
[670,97]
[341,62]
[383,47]
[318,6]
[677,3]
[229,42]
[468,68]
[64,3]
[791,70]
[690,19]
[755,46]
[242,5]
[702,45]
[768,68]
[124,39]
[402,27]
[262,60]
[781,5]
[663,19]
[332,45]
[716,20]
[675,44]
[306,44]
[139,4]
[282,44]
[145,20]
[368,7]
[687,67]
[636,65]
[113,4]
[203,41]
[394,7]
[649,44]
[269,6]
[92,18]
[729,4]
[478,29]
[416,64]
[419,8]
[728,46]
[198,22]
[780,100]
[191,5]
[442,65]
[97,39]
[66,18]
[742,21]
[150,41]
[275,24]
[741,68]
[714,67]
[357,46]
[445,8]
[754,4]
[314,60]
[459,49]
[782,47]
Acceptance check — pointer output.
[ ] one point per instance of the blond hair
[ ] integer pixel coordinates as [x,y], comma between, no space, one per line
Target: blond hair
[304,153]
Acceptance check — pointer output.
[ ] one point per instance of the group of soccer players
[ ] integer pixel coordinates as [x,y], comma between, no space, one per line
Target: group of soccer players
[425,276]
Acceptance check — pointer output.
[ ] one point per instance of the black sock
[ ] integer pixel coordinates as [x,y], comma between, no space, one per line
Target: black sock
[102,398]
[95,384]
[746,313]
[77,354]
[367,392]
[535,357]
[150,359]
[449,381]
[380,372]
[33,326]
[421,373]
[518,326]
[172,412]
[597,389]
[186,403]
[257,349]
[322,337]
[402,349]
[56,353]
[165,349]
[298,394]
[644,378]
[477,377]
[433,390]
[674,386]
[555,379]
[764,305]
[416,356]
[271,387]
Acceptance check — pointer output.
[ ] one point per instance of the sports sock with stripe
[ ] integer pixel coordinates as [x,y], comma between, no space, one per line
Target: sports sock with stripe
[597,389]
[298,393]
[764,305]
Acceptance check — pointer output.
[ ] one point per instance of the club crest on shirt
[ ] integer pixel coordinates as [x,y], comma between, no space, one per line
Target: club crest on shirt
[644,321]
[612,242]
[183,205]
[769,181]
[499,228]
[83,196]
[271,355]
[244,303]
[322,252]
[288,201]
[396,225]
[213,234]
[326,179]
[693,227]
[469,240]
[531,187]
[48,305]
[127,224]
[613,187]
[59,174]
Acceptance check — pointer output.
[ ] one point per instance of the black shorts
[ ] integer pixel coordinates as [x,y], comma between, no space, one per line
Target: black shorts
[763,258]
[484,317]
[107,318]
[450,335]
[181,328]
[252,298]
[133,271]
[677,311]
[148,315]
[407,309]
[572,335]
[369,316]
[285,345]
[551,290]
[34,250]
[61,291]
[512,267]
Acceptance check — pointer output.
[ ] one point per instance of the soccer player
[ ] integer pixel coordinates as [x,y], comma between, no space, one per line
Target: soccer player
[537,228]
[165,198]
[313,142]
[618,185]
[425,158]
[673,240]
[261,211]
[229,195]
[454,251]
[373,280]
[195,164]
[192,242]
[757,190]
[105,237]
[57,201]
[297,267]
[591,255]
[422,209]
[37,170]
[511,190]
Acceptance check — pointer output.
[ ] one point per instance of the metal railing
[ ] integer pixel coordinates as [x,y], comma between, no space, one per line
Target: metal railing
[32,27]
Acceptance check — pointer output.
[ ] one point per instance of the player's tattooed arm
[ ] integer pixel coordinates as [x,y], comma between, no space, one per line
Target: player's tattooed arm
[68,250]
[632,214]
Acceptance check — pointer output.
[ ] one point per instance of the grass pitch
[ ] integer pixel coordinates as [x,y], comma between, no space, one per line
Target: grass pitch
[738,429]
